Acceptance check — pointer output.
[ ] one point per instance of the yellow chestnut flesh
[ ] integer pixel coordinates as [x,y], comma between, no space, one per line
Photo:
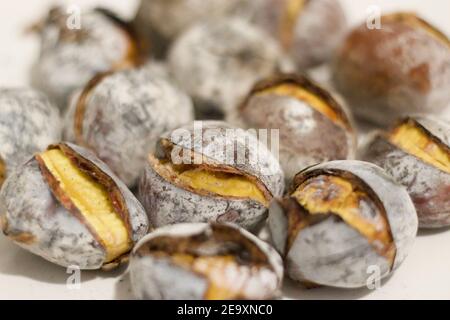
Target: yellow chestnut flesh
[223,184]
[287,26]
[297,92]
[415,141]
[92,201]
[328,194]
[224,274]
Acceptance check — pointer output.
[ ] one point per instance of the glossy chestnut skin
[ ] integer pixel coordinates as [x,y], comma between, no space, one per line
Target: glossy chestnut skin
[401,69]
[156,275]
[309,31]
[307,135]
[428,185]
[332,249]
[217,62]
[29,122]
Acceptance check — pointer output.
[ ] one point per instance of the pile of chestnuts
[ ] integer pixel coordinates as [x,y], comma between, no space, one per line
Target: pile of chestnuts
[140,142]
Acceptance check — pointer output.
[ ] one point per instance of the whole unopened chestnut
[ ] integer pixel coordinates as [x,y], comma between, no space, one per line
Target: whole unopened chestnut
[121,115]
[71,55]
[340,222]
[399,69]
[313,126]
[217,62]
[416,152]
[204,261]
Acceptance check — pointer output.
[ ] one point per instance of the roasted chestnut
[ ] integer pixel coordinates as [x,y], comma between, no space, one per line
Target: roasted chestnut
[308,30]
[121,115]
[217,62]
[28,123]
[204,261]
[400,69]
[313,126]
[161,21]
[339,221]
[416,152]
[69,57]
[66,206]
[210,171]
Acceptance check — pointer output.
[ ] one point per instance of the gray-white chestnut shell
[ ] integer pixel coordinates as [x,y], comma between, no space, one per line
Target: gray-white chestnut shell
[34,219]
[331,252]
[307,136]
[311,36]
[121,115]
[217,62]
[159,278]
[69,58]
[169,203]
[428,186]
[28,123]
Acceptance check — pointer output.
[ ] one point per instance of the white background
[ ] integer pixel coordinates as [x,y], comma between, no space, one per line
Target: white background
[425,274]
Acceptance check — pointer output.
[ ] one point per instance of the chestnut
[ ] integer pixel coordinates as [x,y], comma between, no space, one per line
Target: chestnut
[416,152]
[28,123]
[217,62]
[66,206]
[309,31]
[204,261]
[162,21]
[70,57]
[401,69]
[313,126]
[340,218]
[210,171]
[121,115]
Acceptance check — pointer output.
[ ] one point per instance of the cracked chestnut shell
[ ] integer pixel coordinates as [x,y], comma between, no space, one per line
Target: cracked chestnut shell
[121,115]
[217,62]
[28,123]
[194,177]
[313,126]
[309,31]
[204,261]
[416,152]
[69,58]
[66,206]
[340,218]
[401,69]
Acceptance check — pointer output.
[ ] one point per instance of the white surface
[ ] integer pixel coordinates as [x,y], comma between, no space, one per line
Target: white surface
[425,274]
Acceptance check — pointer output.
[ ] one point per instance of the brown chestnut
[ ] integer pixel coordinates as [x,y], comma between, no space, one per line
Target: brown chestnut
[400,69]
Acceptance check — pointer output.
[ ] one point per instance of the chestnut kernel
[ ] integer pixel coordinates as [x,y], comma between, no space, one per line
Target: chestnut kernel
[416,153]
[66,206]
[121,115]
[313,126]
[204,261]
[340,218]
[401,69]
[28,123]
[191,178]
